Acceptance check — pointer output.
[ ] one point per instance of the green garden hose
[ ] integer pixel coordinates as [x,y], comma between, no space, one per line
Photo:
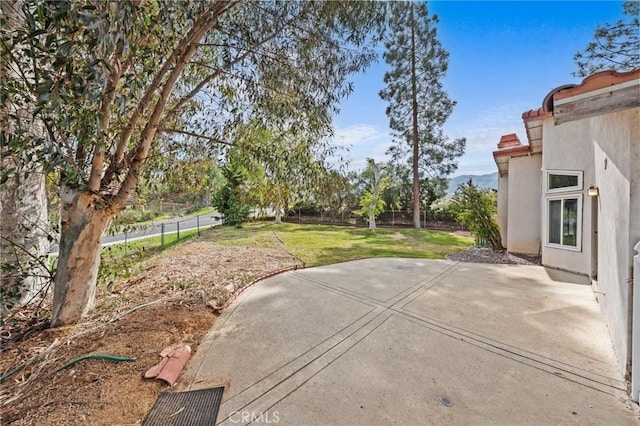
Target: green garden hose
[98,356]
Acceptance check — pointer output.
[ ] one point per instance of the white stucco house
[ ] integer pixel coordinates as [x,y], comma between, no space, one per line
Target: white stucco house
[571,194]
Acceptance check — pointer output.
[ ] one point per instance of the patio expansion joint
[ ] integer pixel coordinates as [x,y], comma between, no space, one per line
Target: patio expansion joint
[269,390]
[417,289]
[550,366]
[276,386]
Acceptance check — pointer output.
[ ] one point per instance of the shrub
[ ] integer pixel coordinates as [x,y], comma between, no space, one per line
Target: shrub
[476,208]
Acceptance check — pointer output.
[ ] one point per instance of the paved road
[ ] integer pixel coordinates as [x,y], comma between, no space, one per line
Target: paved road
[414,342]
[155,228]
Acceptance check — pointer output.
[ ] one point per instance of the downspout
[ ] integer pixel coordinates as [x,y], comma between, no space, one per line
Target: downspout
[629,371]
[633,351]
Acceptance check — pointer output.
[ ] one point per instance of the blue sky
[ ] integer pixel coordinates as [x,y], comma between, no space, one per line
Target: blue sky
[505,57]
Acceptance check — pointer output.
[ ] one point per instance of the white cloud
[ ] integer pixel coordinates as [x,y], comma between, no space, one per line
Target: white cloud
[482,127]
[358,134]
[362,141]
[483,131]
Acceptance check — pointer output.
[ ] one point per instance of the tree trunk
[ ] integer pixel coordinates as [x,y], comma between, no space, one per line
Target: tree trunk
[372,219]
[24,227]
[83,224]
[414,110]
[278,210]
[24,214]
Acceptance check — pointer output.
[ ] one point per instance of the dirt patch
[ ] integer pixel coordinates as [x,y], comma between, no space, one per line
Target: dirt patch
[397,236]
[164,305]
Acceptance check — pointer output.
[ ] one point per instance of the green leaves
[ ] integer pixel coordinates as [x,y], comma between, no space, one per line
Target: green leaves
[476,209]
[418,105]
[616,45]
[231,199]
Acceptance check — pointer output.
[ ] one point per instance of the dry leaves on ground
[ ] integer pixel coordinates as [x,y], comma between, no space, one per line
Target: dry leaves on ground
[173,289]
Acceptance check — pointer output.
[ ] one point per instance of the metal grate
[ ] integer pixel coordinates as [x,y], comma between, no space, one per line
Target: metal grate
[192,408]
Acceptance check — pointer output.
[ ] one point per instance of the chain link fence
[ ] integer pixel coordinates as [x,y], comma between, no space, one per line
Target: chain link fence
[388,218]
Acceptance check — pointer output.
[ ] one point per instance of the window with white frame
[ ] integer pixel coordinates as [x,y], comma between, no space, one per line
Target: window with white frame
[564,209]
[563,181]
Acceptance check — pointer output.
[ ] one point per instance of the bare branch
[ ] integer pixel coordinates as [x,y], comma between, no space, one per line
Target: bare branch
[97,163]
[180,57]
[196,135]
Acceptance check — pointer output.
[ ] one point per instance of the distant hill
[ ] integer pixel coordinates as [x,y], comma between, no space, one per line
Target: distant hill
[482,181]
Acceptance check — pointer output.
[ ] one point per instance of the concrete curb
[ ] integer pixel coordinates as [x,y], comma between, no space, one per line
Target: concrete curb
[237,293]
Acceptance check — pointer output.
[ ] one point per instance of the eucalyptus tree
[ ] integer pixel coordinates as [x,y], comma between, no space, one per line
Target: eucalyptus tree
[418,105]
[107,78]
[334,189]
[281,162]
[615,45]
[24,225]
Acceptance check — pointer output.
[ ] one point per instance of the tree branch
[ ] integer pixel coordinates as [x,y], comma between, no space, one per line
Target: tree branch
[97,162]
[196,135]
[180,57]
[217,73]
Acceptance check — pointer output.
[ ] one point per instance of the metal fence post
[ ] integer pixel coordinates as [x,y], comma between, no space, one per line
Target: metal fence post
[162,235]
[178,225]
[198,224]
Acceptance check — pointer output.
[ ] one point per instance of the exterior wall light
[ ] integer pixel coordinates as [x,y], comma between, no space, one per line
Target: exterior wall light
[592,191]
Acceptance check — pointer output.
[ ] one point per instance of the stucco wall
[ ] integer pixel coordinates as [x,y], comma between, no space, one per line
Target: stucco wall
[523,216]
[607,149]
[569,147]
[616,139]
[503,207]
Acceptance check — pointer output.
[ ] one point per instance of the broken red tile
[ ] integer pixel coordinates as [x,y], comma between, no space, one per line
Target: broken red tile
[174,359]
[156,369]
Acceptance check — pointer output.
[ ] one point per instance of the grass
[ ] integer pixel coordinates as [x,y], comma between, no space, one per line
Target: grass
[324,244]
[120,261]
[316,245]
[151,244]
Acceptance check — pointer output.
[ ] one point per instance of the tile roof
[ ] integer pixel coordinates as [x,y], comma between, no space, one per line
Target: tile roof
[536,114]
[596,81]
[510,146]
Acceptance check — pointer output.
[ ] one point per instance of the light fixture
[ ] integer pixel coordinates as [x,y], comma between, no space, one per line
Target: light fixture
[592,191]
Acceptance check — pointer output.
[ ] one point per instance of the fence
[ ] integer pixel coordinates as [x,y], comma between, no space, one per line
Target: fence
[160,234]
[388,218]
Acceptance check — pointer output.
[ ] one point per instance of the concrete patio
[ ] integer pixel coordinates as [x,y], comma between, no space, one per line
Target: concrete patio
[414,341]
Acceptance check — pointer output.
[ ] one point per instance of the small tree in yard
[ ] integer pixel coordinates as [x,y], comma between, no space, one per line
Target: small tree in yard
[476,208]
[231,199]
[371,201]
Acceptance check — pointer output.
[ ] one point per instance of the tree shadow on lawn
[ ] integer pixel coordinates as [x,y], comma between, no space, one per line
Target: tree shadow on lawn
[341,255]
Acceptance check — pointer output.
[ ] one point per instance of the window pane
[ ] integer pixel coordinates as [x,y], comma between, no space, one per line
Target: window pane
[555,217]
[570,222]
[562,181]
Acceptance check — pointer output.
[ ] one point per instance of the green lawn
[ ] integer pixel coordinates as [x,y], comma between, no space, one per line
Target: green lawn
[324,244]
